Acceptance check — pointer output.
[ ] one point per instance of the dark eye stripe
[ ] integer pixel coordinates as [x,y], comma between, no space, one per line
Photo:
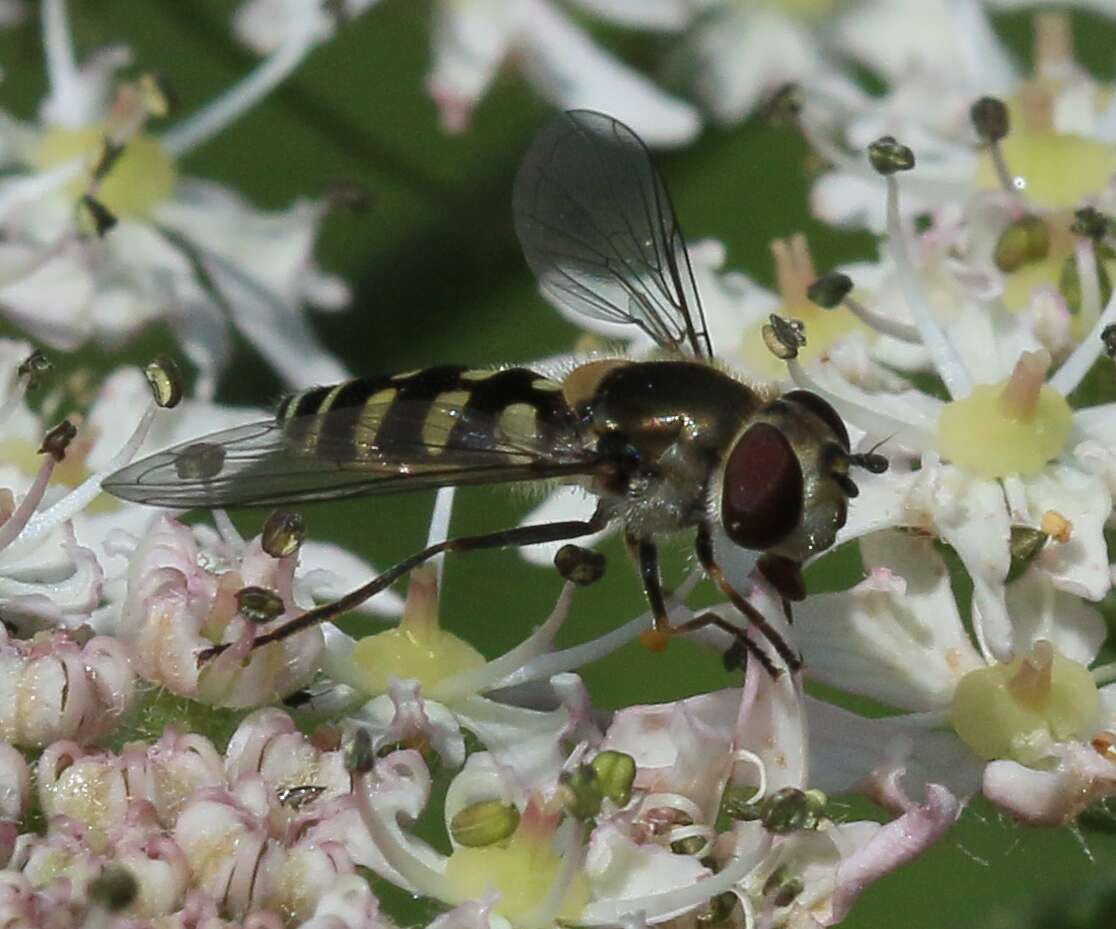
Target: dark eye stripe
[761,499]
[822,411]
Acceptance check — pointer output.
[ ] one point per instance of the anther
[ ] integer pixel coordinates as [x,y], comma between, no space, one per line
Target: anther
[360,757]
[781,887]
[159,98]
[580,566]
[1023,242]
[830,290]
[990,119]
[58,439]
[102,218]
[1108,337]
[165,380]
[484,823]
[616,772]
[258,604]
[33,368]
[1090,223]
[889,156]
[1025,544]
[784,337]
[784,105]
[581,791]
[283,533]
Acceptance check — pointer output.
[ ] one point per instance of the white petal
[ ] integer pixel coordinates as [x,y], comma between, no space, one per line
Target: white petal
[569,502]
[742,55]
[470,41]
[328,571]
[851,753]
[620,869]
[1039,611]
[1079,566]
[573,73]
[897,636]
[642,14]
[47,296]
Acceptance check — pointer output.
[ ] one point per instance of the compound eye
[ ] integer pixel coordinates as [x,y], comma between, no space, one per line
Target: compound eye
[823,411]
[762,496]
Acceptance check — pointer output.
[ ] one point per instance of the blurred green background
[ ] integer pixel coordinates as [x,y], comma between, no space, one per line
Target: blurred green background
[438,278]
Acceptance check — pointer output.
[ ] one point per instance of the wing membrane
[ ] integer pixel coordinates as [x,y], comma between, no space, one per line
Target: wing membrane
[599,231]
[343,453]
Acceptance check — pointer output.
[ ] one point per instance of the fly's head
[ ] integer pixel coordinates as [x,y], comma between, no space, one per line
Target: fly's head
[785,482]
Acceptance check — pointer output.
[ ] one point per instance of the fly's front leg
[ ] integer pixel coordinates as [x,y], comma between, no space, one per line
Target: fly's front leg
[704,548]
[646,555]
[658,636]
[520,536]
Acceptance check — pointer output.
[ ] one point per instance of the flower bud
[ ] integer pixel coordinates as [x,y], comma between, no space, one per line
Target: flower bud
[484,823]
[888,156]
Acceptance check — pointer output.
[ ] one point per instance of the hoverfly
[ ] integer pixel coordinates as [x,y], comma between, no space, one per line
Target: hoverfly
[671,443]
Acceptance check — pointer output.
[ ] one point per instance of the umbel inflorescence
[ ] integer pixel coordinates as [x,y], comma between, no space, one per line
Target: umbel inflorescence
[158,769]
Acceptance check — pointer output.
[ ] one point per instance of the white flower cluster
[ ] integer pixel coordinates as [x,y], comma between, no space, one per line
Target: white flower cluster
[165,762]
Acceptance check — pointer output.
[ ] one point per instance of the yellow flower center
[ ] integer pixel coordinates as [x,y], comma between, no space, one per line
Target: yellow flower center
[1013,427]
[140,179]
[1060,170]
[1015,710]
[522,870]
[417,648]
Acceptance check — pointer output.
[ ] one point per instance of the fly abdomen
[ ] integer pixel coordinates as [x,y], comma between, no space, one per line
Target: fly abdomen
[418,414]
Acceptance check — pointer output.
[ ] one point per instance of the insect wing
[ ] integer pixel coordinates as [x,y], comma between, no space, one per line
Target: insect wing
[598,229]
[353,452]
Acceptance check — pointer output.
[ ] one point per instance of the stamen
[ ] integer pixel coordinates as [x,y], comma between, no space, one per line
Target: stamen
[424,879]
[226,528]
[1088,282]
[743,754]
[992,123]
[439,528]
[15,523]
[863,417]
[84,494]
[904,332]
[1020,395]
[794,268]
[572,858]
[1069,375]
[241,97]
[1053,48]
[950,367]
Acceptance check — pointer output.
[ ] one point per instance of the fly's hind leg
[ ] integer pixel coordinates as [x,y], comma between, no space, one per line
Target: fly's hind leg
[656,638]
[704,549]
[519,536]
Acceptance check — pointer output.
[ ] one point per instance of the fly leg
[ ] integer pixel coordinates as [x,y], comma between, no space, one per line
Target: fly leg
[519,536]
[647,556]
[704,549]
